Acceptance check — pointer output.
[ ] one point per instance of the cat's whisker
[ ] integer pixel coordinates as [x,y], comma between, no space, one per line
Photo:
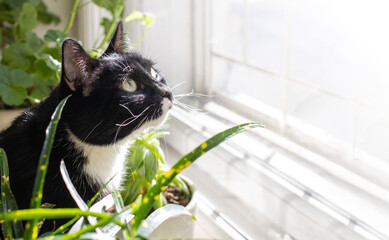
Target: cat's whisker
[177,85]
[186,106]
[93,130]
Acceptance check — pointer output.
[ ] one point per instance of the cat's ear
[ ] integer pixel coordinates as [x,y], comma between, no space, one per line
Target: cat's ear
[116,43]
[76,67]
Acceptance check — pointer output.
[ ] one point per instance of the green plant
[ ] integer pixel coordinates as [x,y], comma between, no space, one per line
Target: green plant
[145,163]
[30,66]
[10,217]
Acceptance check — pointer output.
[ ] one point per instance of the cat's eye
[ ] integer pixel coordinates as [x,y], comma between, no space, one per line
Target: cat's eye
[153,73]
[129,85]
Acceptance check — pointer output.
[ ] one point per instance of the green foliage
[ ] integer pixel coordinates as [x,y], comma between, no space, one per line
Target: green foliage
[28,76]
[146,19]
[145,162]
[13,84]
[36,59]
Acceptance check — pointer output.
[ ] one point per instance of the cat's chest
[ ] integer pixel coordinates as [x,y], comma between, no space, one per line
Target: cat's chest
[103,162]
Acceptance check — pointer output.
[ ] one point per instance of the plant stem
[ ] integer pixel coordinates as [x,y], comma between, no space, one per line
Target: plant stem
[112,27]
[72,15]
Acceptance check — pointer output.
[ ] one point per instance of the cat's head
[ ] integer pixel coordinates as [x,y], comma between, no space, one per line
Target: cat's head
[113,95]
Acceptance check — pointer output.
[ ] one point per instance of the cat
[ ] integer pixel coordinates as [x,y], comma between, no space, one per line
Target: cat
[114,97]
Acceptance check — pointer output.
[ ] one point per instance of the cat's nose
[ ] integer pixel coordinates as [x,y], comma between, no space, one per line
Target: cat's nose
[168,94]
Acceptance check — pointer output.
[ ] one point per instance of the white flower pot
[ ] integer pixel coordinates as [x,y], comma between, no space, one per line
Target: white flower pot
[179,226]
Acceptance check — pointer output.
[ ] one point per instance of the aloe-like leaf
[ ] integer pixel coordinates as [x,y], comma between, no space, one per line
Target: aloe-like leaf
[112,219]
[92,200]
[119,205]
[27,214]
[160,202]
[31,230]
[131,189]
[73,192]
[156,150]
[66,225]
[159,216]
[42,220]
[6,226]
[184,162]
[150,165]
[134,157]
[89,203]
[8,202]
[17,226]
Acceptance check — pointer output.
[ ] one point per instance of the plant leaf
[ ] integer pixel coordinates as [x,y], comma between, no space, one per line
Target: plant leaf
[49,213]
[42,70]
[146,19]
[110,5]
[36,199]
[6,226]
[135,15]
[44,16]
[150,165]
[34,42]
[184,162]
[28,18]
[55,36]
[18,55]
[13,83]
[41,88]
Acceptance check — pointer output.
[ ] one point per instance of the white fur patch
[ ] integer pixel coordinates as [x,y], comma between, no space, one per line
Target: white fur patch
[104,162]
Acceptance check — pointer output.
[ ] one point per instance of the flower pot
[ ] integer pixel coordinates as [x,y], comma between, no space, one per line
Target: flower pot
[7,116]
[176,226]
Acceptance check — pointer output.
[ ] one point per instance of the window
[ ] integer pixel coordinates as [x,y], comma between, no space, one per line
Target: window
[315,73]
[319,66]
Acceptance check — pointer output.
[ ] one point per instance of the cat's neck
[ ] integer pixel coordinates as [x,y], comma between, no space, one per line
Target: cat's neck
[103,162]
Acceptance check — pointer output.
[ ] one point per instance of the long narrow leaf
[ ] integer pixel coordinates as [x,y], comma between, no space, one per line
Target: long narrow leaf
[153,193]
[36,199]
[73,192]
[27,214]
[17,226]
[113,219]
[6,226]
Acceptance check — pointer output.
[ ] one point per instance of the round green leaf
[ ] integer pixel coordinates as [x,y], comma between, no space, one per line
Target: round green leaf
[14,95]
[54,35]
[28,18]
[42,70]
[34,42]
[20,78]
[18,55]
[13,83]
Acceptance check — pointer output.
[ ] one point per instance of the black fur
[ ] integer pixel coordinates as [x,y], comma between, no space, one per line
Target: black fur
[93,114]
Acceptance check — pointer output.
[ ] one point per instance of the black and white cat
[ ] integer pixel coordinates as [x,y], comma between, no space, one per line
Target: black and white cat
[114,97]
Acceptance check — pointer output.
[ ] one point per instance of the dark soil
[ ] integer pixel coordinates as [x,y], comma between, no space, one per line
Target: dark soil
[175,195]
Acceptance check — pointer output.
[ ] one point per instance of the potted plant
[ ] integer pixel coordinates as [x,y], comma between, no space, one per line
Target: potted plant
[131,218]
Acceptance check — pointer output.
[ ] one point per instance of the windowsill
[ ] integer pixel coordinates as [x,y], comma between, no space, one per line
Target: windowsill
[272,187]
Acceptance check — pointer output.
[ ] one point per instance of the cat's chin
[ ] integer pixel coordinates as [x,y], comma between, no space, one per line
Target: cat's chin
[158,122]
